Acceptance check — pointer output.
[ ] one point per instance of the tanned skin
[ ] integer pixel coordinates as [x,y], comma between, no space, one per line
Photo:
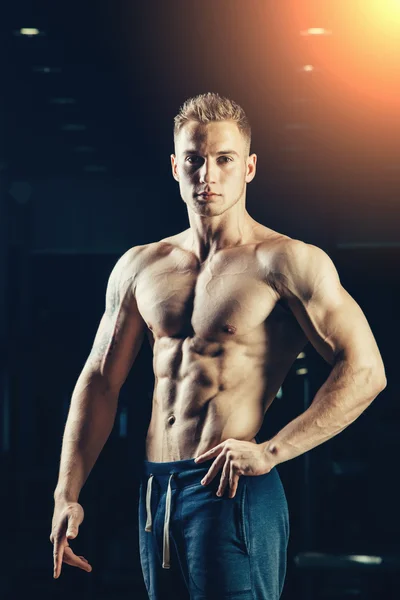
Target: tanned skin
[227,305]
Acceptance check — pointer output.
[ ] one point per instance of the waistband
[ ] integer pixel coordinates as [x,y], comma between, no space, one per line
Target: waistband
[176,466]
[182,472]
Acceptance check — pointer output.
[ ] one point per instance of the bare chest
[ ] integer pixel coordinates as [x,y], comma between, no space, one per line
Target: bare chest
[225,298]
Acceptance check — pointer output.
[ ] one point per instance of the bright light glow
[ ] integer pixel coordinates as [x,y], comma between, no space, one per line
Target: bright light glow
[302,355]
[29,31]
[357,68]
[366,560]
[382,14]
[301,371]
[316,31]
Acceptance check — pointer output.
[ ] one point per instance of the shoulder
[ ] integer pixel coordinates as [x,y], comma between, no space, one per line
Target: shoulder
[297,268]
[138,258]
[296,255]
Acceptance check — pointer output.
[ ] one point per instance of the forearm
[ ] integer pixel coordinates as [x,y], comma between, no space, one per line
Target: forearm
[343,397]
[90,421]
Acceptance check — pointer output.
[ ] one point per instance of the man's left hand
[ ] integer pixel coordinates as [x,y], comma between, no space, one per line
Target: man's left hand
[235,458]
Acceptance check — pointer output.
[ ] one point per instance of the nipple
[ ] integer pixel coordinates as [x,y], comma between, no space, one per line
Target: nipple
[229,328]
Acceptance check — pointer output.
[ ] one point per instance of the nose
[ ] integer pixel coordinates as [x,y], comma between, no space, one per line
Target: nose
[207,172]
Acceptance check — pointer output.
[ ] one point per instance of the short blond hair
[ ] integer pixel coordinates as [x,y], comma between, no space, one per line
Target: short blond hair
[209,107]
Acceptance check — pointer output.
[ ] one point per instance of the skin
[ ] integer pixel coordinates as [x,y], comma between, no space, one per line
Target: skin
[227,306]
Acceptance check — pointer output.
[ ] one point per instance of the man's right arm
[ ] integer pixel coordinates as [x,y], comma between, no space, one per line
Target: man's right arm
[95,397]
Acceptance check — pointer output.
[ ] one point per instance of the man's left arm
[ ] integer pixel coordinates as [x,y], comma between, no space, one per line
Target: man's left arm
[306,278]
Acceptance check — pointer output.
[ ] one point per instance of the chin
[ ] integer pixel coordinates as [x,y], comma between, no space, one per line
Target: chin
[210,211]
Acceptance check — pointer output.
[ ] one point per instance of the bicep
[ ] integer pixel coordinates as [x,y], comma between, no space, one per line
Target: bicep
[335,326]
[331,319]
[120,333]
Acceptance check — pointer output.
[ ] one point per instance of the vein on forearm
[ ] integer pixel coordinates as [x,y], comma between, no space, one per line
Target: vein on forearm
[346,393]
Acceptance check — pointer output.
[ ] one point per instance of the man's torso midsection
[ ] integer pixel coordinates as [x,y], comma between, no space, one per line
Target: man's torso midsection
[222,346]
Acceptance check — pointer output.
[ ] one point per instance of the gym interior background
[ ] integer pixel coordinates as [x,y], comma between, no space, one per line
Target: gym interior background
[88,95]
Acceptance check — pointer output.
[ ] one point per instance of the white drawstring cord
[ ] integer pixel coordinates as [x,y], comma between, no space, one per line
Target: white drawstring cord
[149,525]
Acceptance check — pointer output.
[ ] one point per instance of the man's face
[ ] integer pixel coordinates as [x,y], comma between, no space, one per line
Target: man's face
[212,158]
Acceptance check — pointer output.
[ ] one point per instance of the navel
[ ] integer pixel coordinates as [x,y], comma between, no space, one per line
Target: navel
[171,419]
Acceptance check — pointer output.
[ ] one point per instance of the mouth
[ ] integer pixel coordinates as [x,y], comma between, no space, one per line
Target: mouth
[206,195]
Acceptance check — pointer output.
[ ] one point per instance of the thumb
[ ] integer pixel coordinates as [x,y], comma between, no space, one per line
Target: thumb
[74,520]
[72,532]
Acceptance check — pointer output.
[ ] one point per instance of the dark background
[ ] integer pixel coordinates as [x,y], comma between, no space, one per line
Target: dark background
[86,132]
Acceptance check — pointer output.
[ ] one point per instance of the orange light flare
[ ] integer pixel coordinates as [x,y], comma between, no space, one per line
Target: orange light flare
[355,44]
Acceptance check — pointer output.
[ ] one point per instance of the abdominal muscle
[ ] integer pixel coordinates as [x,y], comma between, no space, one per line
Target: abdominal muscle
[204,394]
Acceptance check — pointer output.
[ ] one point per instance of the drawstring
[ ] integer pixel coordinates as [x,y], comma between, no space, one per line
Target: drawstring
[166,559]
[148,504]
[166,547]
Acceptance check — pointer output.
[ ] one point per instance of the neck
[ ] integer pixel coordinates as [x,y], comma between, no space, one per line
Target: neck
[207,235]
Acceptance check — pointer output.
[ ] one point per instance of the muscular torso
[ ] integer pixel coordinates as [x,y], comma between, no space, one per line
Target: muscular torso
[222,344]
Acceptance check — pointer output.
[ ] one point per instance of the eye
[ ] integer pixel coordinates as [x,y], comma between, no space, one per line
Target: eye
[193,159]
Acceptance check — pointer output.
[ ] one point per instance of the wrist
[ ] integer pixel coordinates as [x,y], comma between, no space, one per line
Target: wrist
[270,452]
[64,495]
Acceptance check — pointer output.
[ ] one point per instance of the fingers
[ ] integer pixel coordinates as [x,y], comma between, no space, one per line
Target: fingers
[213,470]
[210,453]
[233,482]
[58,553]
[67,528]
[229,478]
[76,561]
[224,479]
[59,542]
[66,554]
[85,559]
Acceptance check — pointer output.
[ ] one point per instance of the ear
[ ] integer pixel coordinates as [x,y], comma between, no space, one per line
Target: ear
[174,166]
[251,168]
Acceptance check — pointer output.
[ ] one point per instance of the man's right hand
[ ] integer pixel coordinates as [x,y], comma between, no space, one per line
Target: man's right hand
[66,520]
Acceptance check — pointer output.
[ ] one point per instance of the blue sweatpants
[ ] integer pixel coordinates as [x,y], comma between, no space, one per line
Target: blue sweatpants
[198,546]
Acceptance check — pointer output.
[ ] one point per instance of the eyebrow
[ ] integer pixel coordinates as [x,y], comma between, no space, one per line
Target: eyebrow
[218,153]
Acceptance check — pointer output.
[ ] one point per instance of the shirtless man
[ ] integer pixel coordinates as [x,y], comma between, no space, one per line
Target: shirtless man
[227,306]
